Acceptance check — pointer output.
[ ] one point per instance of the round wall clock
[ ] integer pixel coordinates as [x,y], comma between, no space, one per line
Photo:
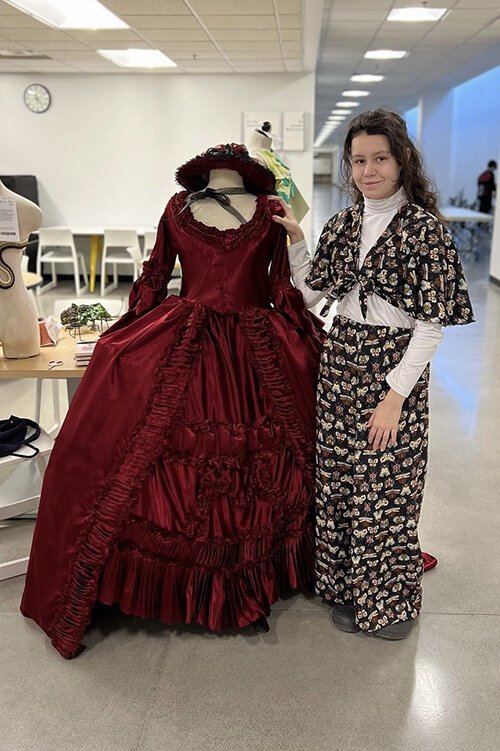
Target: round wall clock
[37,98]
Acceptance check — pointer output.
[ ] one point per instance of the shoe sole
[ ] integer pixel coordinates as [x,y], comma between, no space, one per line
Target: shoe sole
[391,637]
[345,627]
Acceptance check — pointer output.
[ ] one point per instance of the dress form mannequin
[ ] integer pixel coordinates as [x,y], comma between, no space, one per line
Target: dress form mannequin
[260,140]
[19,330]
[211,213]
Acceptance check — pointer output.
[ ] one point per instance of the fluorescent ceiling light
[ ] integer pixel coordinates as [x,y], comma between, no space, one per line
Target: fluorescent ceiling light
[341,112]
[385,54]
[367,78]
[347,104]
[416,14]
[355,92]
[63,14]
[132,58]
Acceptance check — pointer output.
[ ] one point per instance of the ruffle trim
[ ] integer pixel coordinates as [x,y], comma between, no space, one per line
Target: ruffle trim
[143,583]
[267,357]
[110,510]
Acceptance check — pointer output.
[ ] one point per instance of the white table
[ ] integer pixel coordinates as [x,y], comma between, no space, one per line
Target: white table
[458,214]
[469,222]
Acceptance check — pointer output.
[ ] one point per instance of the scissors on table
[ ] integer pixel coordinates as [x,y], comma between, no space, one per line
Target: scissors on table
[55,363]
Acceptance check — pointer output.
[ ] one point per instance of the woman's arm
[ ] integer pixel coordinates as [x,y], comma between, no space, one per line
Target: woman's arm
[423,344]
[384,421]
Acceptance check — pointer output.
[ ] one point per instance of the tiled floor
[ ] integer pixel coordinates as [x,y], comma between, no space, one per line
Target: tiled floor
[142,686]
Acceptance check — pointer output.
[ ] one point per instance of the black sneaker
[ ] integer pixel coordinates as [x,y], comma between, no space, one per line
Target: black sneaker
[343,618]
[395,631]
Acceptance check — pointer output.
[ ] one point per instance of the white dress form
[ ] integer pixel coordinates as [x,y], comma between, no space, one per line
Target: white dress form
[259,142]
[209,212]
[19,331]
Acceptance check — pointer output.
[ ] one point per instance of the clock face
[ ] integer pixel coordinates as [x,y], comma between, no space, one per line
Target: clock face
[37,98]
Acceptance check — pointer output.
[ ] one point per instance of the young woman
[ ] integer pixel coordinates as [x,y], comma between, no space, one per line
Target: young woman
[396,274]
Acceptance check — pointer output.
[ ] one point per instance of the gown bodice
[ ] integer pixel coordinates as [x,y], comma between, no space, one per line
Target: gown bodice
[227,270]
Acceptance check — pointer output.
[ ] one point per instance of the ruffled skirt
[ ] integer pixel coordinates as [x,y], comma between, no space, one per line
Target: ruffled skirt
[181,484]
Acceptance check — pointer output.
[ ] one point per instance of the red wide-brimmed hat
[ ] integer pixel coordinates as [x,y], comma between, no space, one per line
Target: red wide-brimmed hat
[194,175]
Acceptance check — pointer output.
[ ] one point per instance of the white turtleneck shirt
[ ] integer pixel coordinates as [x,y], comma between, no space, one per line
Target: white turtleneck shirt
[425,337]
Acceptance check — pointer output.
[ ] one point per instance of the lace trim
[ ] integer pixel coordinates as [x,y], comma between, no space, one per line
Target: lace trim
[222,238]
[110,509]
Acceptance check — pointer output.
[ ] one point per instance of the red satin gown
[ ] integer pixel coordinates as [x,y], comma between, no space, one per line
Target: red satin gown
[181,484]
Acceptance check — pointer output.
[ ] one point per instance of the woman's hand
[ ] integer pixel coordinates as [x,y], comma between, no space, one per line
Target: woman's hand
[384,421]
[288,221]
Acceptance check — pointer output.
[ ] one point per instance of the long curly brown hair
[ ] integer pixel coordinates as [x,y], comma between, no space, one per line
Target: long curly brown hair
[415,182]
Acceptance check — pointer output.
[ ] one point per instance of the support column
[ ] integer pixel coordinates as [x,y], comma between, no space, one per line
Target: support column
[434,135]
[495,241]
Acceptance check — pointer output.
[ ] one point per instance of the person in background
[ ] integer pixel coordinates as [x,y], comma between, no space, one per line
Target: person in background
[392,267]
[486,186]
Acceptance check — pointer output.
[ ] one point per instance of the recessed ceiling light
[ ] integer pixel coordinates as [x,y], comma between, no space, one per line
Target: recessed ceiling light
[341,112]
[347,104]
[416,14]
[336,119]
[133,58]
[385,54]
[367,78]
[84,14]
[355,92]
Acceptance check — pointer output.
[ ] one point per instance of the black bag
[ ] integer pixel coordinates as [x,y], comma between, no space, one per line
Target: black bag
[17,432]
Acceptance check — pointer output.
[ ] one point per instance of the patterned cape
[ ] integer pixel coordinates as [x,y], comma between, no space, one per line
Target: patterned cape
[414,265]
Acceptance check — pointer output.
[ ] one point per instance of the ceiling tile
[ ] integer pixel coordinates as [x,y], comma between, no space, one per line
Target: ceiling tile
[257,47]
[19,21]
[45,48]
[290,21]
[180,35]
[36,35]
[97,38]
[250,54]
[248,35]
[145,7]
[231,8]
[161,22]
[177,55]
[289,6]
[241,22]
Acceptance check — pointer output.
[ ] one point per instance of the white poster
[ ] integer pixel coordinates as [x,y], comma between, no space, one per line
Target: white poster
[293,131]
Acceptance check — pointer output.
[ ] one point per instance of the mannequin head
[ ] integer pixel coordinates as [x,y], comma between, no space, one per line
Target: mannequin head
[260,138]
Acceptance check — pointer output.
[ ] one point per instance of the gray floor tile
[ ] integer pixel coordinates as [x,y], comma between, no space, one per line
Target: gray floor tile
[309,686]
[94,703]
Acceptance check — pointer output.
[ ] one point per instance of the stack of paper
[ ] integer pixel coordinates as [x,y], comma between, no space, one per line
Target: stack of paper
[83,352]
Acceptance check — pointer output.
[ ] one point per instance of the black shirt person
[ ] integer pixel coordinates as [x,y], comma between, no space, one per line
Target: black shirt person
[486,186]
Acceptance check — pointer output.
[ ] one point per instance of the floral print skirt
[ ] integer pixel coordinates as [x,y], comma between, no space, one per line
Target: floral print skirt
[368,502]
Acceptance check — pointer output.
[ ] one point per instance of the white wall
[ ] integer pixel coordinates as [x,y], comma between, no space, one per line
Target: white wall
[476,130]
[411,118]
[107,149]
